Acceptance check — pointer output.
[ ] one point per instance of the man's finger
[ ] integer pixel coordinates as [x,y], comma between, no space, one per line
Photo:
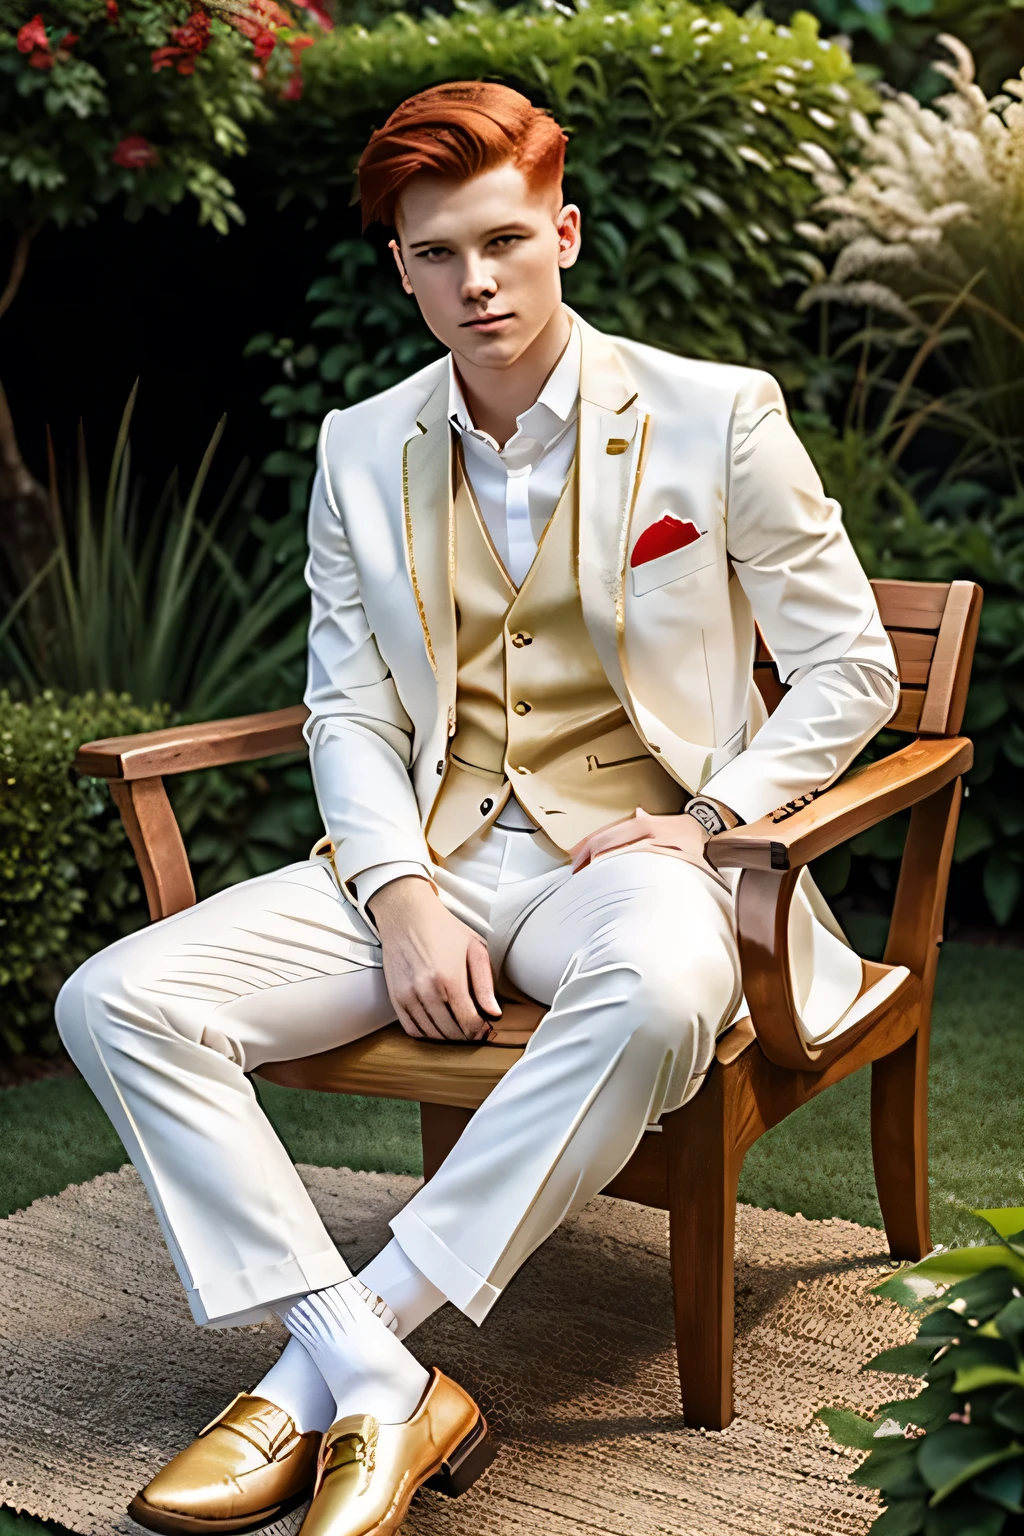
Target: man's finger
[424,1011]
[481,980]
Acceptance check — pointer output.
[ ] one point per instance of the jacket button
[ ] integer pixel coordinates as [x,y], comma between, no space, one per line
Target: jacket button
[522,708]
[521,638]
[521,769]
[485,806]
[440,766]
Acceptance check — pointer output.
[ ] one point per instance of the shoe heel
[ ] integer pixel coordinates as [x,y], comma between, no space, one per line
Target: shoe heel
[466,1463]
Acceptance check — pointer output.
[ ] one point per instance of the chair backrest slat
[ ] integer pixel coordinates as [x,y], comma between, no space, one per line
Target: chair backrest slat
[933,626]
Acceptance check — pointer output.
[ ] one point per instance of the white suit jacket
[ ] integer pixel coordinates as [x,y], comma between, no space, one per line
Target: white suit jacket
[658,434]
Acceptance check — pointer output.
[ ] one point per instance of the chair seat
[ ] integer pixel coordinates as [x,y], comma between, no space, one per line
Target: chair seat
[391,1065]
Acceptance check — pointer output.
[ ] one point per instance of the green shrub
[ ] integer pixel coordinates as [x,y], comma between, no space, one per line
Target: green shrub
[687,131]
[67,873]
[949,1461]
[957,530]
[144,597]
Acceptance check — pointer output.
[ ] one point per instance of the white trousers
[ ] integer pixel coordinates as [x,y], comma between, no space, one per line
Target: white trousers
[636,955]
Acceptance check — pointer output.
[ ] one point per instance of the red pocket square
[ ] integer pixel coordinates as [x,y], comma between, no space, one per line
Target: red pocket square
[662,538]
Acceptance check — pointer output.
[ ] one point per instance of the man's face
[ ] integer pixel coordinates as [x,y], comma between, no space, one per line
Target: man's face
[483,258]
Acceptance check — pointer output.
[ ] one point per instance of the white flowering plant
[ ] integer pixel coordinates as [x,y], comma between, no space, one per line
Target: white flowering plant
[928,235]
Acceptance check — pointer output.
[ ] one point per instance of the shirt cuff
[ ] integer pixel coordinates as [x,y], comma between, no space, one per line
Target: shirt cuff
[369,881]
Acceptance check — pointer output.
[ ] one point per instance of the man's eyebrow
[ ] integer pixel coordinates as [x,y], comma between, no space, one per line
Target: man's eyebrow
[511,228]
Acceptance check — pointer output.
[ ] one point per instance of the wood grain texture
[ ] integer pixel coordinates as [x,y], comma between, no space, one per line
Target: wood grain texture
[863,798]
[950,674]
[914,649]
[391,1065]
[908,712]
[156,842]
[911,604]
[179,749]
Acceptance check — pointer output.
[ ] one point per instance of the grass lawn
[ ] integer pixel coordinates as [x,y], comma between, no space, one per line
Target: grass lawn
[817,1162]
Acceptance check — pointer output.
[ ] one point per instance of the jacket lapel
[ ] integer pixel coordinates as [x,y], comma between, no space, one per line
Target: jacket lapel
[612,432]
[429,533]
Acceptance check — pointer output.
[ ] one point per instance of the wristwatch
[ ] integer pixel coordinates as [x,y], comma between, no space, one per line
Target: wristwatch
[714,818]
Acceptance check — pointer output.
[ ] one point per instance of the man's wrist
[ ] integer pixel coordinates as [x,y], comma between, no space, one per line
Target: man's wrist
[397,892]
[712,815]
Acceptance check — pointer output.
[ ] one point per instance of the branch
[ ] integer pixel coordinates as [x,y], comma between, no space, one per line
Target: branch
[19,262]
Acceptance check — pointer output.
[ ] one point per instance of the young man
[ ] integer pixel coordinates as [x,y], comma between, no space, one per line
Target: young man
[535,571]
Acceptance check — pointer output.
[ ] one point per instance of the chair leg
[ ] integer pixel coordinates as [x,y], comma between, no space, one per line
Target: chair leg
[703,1176]
[441,1125]
[899,1145]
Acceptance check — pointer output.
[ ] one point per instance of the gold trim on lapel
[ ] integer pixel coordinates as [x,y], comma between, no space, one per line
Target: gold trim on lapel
[430,530]
[608,488]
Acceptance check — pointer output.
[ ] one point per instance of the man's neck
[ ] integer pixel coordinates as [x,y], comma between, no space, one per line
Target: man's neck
[497,397]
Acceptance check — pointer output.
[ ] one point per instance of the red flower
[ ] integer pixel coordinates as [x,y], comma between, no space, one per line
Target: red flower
[263,44]
[33,36]
[190,39]
[113,11]
[69,40]
[194,34]
[135,153]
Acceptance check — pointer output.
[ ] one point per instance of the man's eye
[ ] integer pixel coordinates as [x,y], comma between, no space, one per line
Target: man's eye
[434,253]
[504,241]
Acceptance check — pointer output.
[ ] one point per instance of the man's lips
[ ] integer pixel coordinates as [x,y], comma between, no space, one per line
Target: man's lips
[484,322]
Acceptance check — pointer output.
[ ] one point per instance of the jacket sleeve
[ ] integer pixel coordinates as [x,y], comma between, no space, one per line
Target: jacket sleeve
[814,607]
[360,737]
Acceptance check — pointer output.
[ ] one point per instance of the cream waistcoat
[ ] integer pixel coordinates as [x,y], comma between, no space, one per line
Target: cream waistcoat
[535,713]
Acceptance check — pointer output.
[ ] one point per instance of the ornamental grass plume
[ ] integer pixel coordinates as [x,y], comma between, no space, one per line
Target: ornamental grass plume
[929,228]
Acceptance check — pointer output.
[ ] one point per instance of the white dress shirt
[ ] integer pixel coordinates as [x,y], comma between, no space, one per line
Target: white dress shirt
[517,487]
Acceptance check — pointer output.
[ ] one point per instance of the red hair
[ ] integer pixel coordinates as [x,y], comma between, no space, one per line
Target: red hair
[457,131]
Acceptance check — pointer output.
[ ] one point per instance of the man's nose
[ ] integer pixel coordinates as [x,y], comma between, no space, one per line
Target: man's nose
[478,282]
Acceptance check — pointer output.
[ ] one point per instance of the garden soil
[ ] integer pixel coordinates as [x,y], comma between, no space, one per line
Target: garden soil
[104,1375]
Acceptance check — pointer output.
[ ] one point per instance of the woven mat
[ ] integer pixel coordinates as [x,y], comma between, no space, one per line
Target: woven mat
[103,1375]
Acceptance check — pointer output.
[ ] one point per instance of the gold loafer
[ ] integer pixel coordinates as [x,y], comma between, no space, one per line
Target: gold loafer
[368,1472]
[248,1467]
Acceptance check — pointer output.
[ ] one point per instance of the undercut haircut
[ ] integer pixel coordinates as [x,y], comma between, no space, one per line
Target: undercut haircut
[458,131]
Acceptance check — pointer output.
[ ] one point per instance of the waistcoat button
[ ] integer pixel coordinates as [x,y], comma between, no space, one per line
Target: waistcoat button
[521,638]
[440,766]
[522,708]
[485,806]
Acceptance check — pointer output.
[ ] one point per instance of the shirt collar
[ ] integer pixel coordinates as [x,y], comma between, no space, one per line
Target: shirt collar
[550,413]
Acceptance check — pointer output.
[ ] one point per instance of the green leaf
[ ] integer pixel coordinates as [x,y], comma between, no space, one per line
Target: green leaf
[965,1518]
[904,1517]
[977,1376]
[953,1455]
[1002,885]
[1003,1486]
[905,1359]
[1007,1220]
[1009,1411]
[848,1428]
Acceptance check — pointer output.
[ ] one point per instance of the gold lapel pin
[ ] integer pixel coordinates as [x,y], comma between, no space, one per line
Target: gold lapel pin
[616,445]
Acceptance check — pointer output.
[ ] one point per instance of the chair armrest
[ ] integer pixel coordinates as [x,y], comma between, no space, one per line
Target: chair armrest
[181,748]
[788,839]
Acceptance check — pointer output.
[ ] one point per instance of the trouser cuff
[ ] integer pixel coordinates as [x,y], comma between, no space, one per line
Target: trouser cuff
[464,1288]
[248,1295]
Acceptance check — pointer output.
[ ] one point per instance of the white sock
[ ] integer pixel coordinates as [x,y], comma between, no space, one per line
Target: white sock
[365,1367]
[295,1384]
[407,1291]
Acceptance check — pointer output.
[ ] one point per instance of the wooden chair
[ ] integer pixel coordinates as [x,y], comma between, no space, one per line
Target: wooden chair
[764,1069]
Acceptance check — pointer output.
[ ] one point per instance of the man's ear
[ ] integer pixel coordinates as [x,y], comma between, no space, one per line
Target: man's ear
[400,264]
[569,237]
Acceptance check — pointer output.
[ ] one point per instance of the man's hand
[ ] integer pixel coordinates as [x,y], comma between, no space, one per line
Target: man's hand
[682,837]
[438,971]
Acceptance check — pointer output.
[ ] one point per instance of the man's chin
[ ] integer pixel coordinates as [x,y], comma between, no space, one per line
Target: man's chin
[481,349]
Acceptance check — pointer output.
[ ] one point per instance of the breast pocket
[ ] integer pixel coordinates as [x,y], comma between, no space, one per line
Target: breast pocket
[680,562]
